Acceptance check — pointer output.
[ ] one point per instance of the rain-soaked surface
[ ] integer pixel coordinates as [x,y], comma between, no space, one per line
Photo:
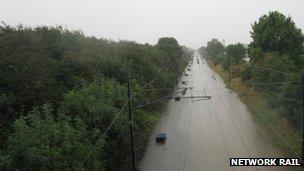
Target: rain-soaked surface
[204,134]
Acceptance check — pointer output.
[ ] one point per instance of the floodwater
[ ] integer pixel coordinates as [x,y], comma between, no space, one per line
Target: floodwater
[203,134]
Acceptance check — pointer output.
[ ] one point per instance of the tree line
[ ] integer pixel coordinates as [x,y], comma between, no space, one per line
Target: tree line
[60,90]
[272,62]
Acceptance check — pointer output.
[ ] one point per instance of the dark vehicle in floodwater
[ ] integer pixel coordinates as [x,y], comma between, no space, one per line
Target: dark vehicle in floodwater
[177,98]
[160,137]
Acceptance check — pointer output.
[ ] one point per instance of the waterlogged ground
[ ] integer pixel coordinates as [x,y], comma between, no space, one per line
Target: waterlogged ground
[204,134]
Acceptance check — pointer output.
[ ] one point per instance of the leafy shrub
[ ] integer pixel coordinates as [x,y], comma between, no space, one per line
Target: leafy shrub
[42,142]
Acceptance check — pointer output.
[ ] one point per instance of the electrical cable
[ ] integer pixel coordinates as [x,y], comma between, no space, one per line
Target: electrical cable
[282,97]
[257,66]
[280,136]
[117,114]
[156,100]
[274,83]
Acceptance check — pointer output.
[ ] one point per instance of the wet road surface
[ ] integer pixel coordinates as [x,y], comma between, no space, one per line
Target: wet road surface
[204,134]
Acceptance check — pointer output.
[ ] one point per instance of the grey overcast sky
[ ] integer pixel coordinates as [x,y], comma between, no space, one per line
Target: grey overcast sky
[191,22]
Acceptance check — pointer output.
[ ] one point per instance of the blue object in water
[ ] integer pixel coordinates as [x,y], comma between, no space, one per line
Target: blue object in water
[160,137]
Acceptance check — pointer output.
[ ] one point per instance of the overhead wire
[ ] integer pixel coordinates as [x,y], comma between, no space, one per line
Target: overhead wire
[283,97]
[263,91]
[158,75]
[273,83]
[157,100]
[280,96]
[163,89]
[280,136]
[270,69]
[121,109]
[107,129]
[287,73]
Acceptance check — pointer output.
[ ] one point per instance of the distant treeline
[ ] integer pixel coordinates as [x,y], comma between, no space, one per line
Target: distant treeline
[272,63]
[60,90]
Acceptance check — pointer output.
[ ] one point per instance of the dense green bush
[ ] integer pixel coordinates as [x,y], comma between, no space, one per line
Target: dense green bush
[246,72]
[41,141]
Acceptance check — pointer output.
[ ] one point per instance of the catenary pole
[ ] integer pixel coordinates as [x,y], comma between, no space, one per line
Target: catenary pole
[131,123]
[302,115]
